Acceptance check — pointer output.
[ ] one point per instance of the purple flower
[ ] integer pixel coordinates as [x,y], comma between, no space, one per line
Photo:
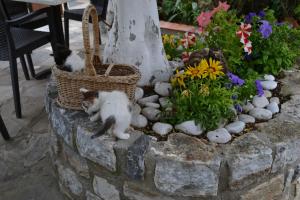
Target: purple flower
[234,97]
[249,17]
[259,88]
[265,29]
[228,85]
[238,108]
[261,14]
[280,23]
[247,57]
[235,79]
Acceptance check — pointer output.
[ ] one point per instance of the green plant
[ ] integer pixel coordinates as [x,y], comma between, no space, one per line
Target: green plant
[278,51]
[222,35]
[183,11]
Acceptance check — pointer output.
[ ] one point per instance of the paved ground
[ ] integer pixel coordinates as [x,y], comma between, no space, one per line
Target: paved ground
[26,171]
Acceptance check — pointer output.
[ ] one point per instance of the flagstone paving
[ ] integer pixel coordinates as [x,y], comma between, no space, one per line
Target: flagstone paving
[25,169]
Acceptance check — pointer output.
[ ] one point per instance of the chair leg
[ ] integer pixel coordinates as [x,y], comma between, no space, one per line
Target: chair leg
[66,26]
[15,86]
[24,67]
[30,63]
[3,130]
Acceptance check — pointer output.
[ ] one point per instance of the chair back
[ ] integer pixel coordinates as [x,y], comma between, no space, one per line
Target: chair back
[5,35]
[14,8]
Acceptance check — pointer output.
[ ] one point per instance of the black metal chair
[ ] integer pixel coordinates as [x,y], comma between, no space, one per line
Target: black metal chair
[16,42]
[14,10]
[76,14]
[3,130]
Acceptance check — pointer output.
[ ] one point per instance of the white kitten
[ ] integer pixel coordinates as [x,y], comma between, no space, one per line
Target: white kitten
[75,62]
[112,107]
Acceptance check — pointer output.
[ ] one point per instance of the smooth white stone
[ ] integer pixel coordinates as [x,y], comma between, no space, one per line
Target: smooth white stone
[153,105]
[190,127]
[269,85]
[162,128]
[136,109]
[261,114]
[220,136]
[151,99]
[235,127]
[273,107]
[267,93]
[139,93]
[260,102]
[151,113]
[246,108]
[164,102]
[269,77]
[246,118]
[139,121]
[275,99]
[163,89]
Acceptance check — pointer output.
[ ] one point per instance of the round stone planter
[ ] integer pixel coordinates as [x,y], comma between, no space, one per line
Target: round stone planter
[262,164]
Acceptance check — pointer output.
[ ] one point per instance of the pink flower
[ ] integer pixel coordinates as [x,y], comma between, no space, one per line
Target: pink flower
[188,40]
[222,6]
[204,18]
[185,56]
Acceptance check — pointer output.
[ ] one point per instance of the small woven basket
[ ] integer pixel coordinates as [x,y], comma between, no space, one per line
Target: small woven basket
[96,76]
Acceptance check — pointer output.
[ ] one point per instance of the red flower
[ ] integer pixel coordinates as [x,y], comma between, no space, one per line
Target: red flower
[185,56]
[188,40]
[244,31]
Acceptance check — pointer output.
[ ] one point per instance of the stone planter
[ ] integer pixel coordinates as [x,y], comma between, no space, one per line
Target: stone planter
[171,27]
[263,164]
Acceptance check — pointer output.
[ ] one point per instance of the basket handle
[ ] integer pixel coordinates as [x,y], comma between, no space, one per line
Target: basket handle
[109,69]
[89,59]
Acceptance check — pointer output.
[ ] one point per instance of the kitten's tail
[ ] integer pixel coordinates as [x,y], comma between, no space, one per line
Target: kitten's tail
[107,125]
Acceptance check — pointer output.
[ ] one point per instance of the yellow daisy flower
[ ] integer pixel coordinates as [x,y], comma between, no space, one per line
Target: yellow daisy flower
[186,93]
[215,69]
[204,90]
[194,72]
[203,67]
[178,79]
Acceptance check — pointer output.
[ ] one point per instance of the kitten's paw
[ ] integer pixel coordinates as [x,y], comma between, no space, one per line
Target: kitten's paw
[123,136]
[93,118]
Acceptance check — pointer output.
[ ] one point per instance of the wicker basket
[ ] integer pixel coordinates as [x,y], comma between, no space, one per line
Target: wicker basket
[96,76]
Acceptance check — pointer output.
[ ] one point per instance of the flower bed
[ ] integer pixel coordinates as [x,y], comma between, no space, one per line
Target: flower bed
[222,77]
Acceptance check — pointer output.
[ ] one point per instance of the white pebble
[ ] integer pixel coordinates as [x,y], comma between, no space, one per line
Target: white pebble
[247,107]
[153,105]
[163,89]
[151,99]
[269,85]
[246,118]
[139,121]
[267,93]
[220,136]
[273,107]
[190,127]
[260,102]
[235,127]
[139,93]
[162,128]
[269,77]
[261,114]
[275,99]
[151,113]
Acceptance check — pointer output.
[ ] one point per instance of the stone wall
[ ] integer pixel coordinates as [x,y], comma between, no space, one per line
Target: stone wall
[263,164]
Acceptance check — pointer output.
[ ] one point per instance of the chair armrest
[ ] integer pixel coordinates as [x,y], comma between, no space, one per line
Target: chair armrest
[29,16]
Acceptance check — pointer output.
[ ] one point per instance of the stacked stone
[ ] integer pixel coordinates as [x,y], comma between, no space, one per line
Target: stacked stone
[263,164]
